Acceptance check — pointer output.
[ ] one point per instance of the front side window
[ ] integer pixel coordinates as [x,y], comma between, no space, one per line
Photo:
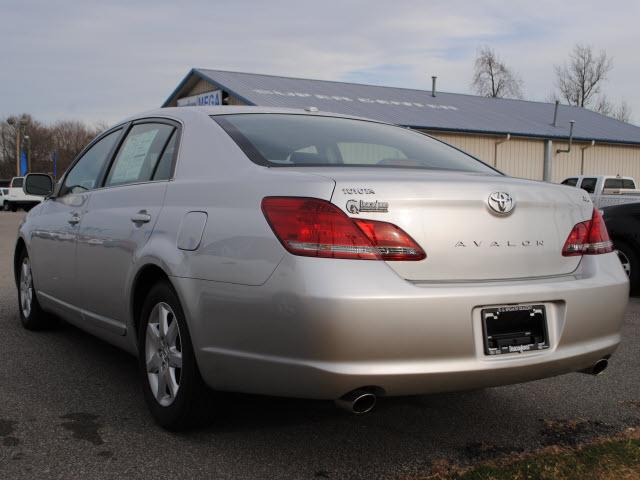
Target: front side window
[589,184]
[137,158]
[286,140]
[85,174]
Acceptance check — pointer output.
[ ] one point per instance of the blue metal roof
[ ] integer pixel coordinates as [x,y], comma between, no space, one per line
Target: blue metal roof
[453,112]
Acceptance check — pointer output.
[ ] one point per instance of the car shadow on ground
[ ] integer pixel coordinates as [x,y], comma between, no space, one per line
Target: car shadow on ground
[465,426]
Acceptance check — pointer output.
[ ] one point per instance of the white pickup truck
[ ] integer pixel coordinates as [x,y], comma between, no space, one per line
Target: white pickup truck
[606,190]
[16,198]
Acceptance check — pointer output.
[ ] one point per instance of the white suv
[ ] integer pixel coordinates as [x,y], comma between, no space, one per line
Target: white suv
[16,198]
[4,193]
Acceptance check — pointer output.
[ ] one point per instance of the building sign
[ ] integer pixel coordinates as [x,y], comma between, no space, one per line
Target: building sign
[340,98]
[204,99]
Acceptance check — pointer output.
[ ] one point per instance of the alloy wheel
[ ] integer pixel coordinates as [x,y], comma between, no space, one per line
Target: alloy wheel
[626,264]
[163,354]
[26,288]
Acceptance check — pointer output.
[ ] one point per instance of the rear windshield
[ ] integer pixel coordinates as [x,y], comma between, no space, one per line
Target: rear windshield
[619,183]
[286,140]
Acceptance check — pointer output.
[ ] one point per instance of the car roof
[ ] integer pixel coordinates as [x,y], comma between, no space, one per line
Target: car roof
[599,176]
[186,113]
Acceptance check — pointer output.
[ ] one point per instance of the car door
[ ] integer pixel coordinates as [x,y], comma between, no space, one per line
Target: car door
[55,228]
[119,220]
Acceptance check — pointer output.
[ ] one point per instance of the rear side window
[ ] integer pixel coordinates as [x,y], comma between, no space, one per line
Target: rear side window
[571,182]
[17,182]
[619,183]
[286,140]
[139,154]
[163,170]
[86,173]
[589,184]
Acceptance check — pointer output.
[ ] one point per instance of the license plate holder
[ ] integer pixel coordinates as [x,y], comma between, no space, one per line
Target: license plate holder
[514,329]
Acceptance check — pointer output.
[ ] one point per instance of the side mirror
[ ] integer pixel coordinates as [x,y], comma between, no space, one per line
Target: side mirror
[38,184]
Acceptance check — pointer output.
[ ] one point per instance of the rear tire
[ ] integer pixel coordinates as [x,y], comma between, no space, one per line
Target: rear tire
[13,208]
[31,314]
[173,387]
[631,263]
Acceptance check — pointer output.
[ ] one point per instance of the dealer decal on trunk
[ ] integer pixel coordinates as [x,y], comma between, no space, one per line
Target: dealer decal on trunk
[360,206]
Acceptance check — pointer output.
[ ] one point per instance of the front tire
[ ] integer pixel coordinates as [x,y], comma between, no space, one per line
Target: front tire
[631,263]
[173,388]
[31,314]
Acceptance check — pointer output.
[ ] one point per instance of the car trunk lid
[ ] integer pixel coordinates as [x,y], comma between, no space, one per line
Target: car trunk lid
[449,215]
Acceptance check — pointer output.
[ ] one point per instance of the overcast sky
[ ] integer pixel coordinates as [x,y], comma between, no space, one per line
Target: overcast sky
[103,60]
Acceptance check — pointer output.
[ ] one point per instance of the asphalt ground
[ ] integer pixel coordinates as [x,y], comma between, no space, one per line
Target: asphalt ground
[71,407]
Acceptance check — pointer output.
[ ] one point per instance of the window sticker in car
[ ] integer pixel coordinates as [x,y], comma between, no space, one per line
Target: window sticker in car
[132,158]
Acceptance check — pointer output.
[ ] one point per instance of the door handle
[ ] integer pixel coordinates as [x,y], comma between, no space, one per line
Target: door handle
[141,217]
[75,219]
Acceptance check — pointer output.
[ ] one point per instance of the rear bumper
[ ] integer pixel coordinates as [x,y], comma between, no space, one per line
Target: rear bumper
[319,328]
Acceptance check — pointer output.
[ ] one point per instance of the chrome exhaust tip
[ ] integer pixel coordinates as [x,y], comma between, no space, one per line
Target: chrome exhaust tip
[357,402]
[597,368]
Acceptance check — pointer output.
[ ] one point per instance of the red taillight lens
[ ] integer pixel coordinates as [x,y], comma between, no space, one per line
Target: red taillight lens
[392,242]
[317,228]
[588,238]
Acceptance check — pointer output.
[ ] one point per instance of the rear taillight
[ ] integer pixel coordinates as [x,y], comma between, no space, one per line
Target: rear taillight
[588,238]
[316,228]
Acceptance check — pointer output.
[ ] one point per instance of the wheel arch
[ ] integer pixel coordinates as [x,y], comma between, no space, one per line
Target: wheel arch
[627,239]
[20,247]
[146,277]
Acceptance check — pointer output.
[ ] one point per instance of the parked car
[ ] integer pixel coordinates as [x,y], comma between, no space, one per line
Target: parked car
[18,198]
[313,255]
[606,190]
[4,193]
[623,224]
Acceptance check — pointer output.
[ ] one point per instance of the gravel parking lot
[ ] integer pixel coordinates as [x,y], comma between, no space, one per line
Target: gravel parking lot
[71,407]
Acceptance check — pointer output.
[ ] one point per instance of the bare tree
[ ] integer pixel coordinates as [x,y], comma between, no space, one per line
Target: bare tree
[492,77]
[62,139]
[579,80]
[623,112]
[68,138]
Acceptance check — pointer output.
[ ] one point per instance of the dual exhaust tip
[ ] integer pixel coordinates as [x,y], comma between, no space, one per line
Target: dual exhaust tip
[597,368]
[362,401]
[357,401]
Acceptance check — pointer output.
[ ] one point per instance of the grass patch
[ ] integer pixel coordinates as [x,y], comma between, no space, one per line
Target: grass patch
[603,459]
[619,459]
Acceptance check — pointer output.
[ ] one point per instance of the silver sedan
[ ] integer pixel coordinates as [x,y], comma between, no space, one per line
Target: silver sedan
[306,254]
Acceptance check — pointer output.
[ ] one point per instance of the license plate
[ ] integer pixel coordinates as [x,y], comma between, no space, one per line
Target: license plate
[514,329]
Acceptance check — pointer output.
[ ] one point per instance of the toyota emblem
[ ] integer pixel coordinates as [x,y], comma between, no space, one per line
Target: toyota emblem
[501,203]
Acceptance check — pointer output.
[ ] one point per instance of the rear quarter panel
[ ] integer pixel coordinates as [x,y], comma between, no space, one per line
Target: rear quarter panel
[214,176]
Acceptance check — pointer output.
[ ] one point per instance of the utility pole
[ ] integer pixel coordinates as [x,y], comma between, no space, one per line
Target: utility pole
[14,123]
[18,126]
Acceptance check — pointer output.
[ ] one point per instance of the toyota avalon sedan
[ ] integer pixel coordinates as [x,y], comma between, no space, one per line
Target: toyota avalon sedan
[298,253]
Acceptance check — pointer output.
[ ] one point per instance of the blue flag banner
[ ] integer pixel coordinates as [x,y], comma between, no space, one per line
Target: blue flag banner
[23,163]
